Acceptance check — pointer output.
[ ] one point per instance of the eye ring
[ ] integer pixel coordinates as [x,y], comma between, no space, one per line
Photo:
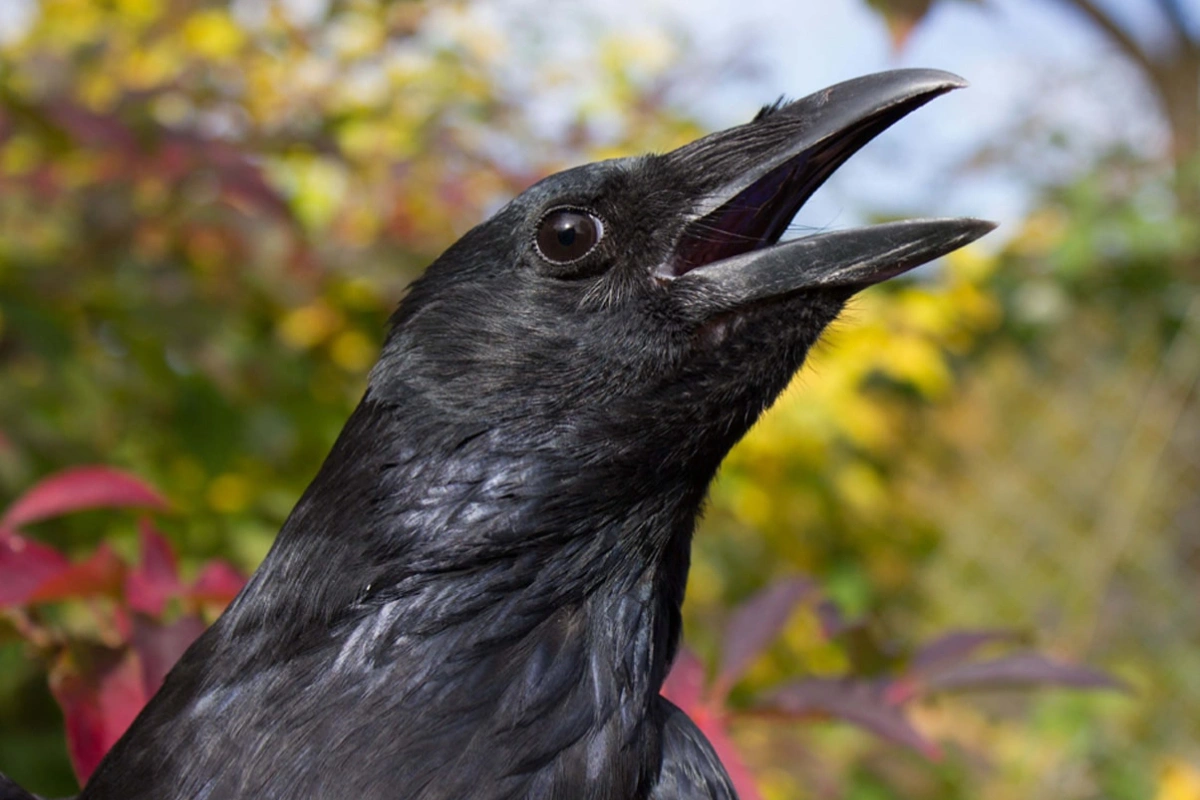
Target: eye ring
[567,234]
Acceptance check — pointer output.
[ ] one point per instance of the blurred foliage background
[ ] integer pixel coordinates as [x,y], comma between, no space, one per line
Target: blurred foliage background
[208,210]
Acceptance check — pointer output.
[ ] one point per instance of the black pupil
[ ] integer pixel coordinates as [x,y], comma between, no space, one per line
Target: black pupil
[567,235]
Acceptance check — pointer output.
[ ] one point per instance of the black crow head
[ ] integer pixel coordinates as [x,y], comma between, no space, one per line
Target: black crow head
[642,308]
[479,594]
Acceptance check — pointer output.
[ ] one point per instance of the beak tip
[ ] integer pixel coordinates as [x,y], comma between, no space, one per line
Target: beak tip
[953,81]
[910,87]
[945,234]
[974,228]
[933,78]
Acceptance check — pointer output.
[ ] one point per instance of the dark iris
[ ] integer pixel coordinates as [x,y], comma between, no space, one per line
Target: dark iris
[568,234]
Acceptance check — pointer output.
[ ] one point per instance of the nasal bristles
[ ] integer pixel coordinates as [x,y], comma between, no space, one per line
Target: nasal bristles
[767,111]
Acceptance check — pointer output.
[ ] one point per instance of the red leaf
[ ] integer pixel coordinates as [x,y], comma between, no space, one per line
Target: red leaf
[218,583]
[159,646]
[684,687]
[714,728]
[1021,670]
[100,574]
[754,625]
[857,701]
[100,692]
[78,489]
[25,564]
[155,580]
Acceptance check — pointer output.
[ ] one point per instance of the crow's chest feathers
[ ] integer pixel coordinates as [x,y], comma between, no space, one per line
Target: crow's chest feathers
[548,704]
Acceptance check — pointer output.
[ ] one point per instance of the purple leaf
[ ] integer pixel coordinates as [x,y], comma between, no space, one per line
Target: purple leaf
[90,129]
[833,621]
[160,645]
[854,700]
[1021,670]
[957,646]
[754,625]
[170,155]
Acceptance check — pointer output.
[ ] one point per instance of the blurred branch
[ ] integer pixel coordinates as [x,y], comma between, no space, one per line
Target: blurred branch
[1174,76]
[1174,12]
[25,622]
[1120,515]
[1122,38]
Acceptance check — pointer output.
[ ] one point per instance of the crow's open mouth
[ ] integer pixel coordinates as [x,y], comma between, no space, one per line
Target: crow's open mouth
[775,164]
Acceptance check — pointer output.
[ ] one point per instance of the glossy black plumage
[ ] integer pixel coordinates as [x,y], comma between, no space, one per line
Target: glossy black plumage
[11,791]
[479,594]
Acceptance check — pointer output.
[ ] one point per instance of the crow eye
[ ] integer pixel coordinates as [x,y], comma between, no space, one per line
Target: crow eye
[568,234]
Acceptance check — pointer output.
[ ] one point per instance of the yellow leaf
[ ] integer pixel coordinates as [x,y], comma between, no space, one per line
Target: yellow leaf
[649,51]
[213,34]
[1178,780]
[752,505]
[918,361]
[70,23]
[360,293]
[309,325]
[147,67]
[861,487]
[139,10]
[861,421]
[316,186]
[927,312]
[353,351]
[1042,232]
[779,784]
[971,264]
[21,153]
[98,90]
[228,493]
[704,583]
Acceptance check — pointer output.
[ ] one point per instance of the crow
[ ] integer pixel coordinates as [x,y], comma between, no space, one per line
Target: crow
[479,594]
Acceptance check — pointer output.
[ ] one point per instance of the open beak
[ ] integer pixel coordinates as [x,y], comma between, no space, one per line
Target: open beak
[758,175]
